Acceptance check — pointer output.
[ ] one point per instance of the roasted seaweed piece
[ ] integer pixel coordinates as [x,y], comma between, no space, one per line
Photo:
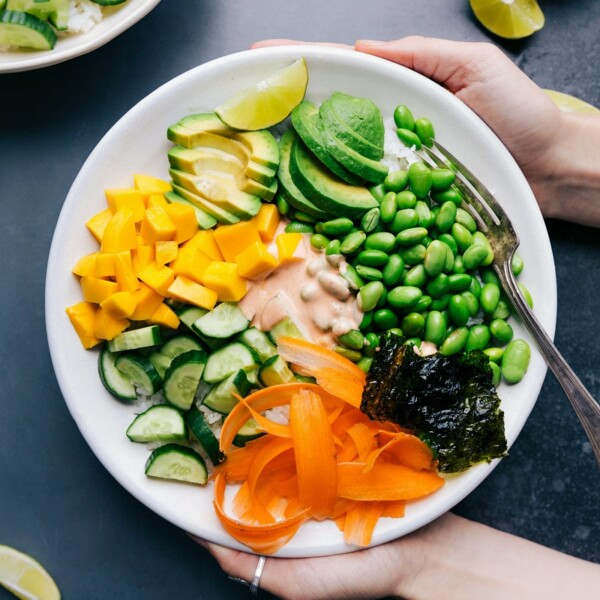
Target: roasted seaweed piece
[449,401]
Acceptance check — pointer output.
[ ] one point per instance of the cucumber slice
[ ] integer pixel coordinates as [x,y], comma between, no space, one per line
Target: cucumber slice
[178,463]
[304,378]
[159,423]
[203,433]
[108,2]
[140,371]
[275,371]
[188,315]
[285,327]
[56,11]
[160,362]
[179,344]
[248,432]
[227,361]
[133,339]
[221,399]
[114,381]
[183,377]
[223,322]
[26,31]
[205,221]
[258,341]
[252,377]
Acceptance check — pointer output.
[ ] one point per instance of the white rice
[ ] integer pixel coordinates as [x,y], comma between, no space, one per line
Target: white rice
[83,16]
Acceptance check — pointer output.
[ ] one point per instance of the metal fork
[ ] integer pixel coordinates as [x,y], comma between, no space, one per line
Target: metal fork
[496,225]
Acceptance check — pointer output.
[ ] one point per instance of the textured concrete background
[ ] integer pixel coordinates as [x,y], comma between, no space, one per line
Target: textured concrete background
[56,501]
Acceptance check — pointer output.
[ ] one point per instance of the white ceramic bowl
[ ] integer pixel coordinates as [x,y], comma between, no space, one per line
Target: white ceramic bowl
[116,20]
[137,143]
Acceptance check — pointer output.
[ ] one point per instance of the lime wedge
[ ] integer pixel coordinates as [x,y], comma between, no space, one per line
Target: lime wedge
[568,103]
[512,19]
[268,102]
[25,577]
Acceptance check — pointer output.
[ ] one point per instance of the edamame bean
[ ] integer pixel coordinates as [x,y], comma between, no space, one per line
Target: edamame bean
[449,195]
[369,295]
[488,276]
[370,220]
[419,179]
[304,217]
[388,207]
[526,295]
[297,227]
[353,279]
[318,241]
[383,300]
[404,219]
[445,217]
[447,239]
[424,129]
[435,258]
[515,360]
[366,321]
[440,303]
[392,272]
[396,331]
[383,241]
[396,181]
[466,220]
[462,236]
[378,192]
[413,342]
[352,355]
[411,236]
[409,138]
[404,118]
[353,339]
[435,327]
[424,216]
[352,242]
[412,255]
[459,282]
[369,273]
[494,353]
[413,324]
[333,248]
[415,276]
[489,298]
[283,206]
[501,330]
[371,343]
[517,265]
[449,260]
[404,296]
[406,199]
[472,302]
[442,179]
[438,286]
[458,310]
[475,287]
[364,364]
[479,337]
[385,319]
[372,258]
[337,226]
[496,374]
[458,267]
[503,310]
[479,238]
[474,256]
[423,304]
[455,342]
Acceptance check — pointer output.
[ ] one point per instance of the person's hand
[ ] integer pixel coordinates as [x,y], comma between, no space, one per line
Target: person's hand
[558,153]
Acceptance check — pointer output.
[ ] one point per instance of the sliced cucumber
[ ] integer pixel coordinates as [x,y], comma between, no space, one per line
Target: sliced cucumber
[140,371]
[57,11]
[224,321]
[26,31]
[275,371]
[183,377]
[248,432]
[145,337]
[203,433]
[160,362]
[252,377]
[304,378]
[113,380]
[228,360]
[159,423]
[258,341]
[188,315]
[285,327]
[221,399]
[108,2]
[179,344]
[176,462]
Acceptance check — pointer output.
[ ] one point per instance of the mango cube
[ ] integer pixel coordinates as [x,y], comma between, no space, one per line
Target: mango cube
[157,277]
[82,316]
[190,262]
[224,279]
[150,185]
[86,265]
[233,239]
[134,201]
[189,291]
[267,221]
[164,315]
[96,290]
[165,252]
[255,262]
[147,302]
[106,327]
[97,224]
[157,226]
[120,233]
[120,305]
[185,221]
[156,200]
[105,264]
[141,257]
[124,274]
[123,195]
[205,240]
[287,244]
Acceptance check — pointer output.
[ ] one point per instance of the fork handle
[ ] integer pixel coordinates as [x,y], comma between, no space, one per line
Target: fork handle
[584,404]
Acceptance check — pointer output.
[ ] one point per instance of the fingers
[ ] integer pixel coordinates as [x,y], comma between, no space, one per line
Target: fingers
[233,562]
[286,42]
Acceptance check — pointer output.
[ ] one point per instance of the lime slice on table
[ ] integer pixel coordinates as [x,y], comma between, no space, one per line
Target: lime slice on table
[512,19]
[268,102]
[25,577]
[568,103]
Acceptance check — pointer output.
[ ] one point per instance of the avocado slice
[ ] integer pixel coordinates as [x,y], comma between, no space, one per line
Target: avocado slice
[262,147]
[324,189]
[222,216]
[205,221]
[307,123]
[361,115]
[289,189]
[348,136]
[186,131]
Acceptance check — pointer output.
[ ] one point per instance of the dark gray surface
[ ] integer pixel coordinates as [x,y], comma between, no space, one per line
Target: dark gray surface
[56,501]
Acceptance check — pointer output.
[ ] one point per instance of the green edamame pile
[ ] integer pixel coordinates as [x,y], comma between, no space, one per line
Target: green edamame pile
[420,267]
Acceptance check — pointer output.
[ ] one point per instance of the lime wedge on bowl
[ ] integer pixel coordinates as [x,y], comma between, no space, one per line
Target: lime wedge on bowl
[268,102]
[511,19]
[25,577]
[568,103]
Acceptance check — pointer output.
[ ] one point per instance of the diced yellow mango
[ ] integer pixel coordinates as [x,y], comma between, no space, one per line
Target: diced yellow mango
[185,221]
[96,290]
[151,185]
[224,279]
[205,240]
[165,252]
[157,226]
[105,264]
[287,243]
[156,200]
[189,291]
[120,233]
[124,274]
[125,195]
[147,302]
[255,262]
[82,316]
[157,277]
[190,262]
[267,221]
[97,224]
[164,316]
[120,305]
[106,327]
[141,257]
[233,239]
[134,201]
[86,265]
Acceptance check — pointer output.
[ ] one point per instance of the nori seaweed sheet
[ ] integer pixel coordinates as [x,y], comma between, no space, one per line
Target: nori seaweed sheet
[448,401]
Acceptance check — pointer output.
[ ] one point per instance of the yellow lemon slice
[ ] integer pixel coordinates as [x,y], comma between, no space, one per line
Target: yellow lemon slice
[25,577]
[511,19]
[568,103]
[268,102]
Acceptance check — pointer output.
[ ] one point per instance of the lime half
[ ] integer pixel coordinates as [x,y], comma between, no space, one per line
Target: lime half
[25,577]
[268,102]
[512,19]
[568,103]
